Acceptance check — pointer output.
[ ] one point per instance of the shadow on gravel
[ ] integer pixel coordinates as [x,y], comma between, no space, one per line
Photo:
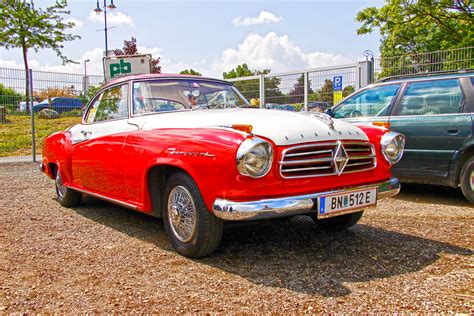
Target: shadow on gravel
[293,253]
[432,194]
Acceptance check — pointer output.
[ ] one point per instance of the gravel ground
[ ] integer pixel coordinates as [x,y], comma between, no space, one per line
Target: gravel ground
[414,253]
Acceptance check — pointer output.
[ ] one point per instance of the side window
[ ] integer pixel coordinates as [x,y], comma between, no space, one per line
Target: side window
[371,102]
[431,97]
[112,104]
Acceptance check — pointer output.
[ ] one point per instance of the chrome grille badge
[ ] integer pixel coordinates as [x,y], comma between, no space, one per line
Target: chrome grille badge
[340,158]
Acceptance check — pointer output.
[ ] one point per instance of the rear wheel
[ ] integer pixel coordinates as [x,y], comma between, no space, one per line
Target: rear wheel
[338,223]
[466,180]
[67,197]
[193,231]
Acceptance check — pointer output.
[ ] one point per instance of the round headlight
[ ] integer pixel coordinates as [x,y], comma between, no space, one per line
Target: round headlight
[254,157]
[393,144]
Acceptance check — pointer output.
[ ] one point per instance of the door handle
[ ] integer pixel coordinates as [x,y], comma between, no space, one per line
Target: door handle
[453,131]
[86,133]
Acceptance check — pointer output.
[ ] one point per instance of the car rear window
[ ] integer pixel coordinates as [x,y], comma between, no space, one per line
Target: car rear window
[432,97]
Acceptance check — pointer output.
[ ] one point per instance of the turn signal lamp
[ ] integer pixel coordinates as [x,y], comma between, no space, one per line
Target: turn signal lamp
[243,128]
[381,124]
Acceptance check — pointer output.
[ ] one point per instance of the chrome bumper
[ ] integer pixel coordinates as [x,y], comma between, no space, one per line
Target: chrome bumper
[293,205]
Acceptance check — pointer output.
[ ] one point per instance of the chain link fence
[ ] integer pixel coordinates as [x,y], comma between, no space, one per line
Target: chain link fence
[58,102]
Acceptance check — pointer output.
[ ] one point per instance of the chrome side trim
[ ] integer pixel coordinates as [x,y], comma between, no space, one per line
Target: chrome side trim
[105,198]
[292,205]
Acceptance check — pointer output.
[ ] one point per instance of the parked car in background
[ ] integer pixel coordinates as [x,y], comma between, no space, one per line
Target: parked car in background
[22,107]
[276,106]
[435,113]
[59,104]
[317,106]
[144,144]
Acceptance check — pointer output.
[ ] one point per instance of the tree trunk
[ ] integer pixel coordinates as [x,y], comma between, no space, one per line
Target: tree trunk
[27,76]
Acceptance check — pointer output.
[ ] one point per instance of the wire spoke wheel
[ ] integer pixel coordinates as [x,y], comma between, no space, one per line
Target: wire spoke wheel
[182,213]
[60,188]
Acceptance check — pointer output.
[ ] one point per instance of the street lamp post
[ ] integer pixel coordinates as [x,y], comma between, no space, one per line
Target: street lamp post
[98,10]
[85,81]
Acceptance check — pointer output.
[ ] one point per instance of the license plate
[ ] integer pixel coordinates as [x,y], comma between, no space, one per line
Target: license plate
[345,202]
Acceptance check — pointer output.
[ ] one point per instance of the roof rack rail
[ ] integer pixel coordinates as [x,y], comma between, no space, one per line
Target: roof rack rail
[427,74]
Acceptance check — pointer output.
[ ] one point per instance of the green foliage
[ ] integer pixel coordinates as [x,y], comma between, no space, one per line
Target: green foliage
[9,97]
[190,72]
[296,95]
[89,95]
[251,88]
[24,26]
[28,27]
[408,26]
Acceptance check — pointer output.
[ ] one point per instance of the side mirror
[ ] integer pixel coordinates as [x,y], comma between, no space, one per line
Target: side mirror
[329,112]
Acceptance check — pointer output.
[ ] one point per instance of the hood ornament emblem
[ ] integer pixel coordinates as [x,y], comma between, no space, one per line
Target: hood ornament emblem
[339,158]
[325,118]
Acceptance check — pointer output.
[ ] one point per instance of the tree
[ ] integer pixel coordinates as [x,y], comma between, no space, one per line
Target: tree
[251,88]
[26,27]
[190,72]
[130,48]
[296,95]
[324,94]
[417,26]
[51,92]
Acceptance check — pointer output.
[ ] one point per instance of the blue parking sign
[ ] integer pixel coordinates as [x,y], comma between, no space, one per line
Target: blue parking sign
[337,83]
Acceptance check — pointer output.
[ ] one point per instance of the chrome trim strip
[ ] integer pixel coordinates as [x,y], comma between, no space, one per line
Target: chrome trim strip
[105,198]
[292,205]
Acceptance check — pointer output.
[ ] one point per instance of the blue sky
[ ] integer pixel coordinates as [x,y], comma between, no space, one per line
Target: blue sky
[215,36]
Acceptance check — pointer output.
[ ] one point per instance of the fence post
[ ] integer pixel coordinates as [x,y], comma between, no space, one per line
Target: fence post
[366,73]
[32,112]
[305,77]
[262,90]
[357,76]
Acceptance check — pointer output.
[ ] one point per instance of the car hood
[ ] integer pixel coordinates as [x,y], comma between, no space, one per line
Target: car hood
[282,127]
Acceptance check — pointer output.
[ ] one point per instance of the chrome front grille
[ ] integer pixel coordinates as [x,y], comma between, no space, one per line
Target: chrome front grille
[328,158]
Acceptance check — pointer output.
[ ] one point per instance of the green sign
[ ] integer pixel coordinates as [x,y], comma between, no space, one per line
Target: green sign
[120,68]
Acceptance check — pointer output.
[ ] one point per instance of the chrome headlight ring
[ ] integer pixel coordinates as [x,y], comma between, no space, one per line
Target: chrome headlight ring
[392,144]
[254,157]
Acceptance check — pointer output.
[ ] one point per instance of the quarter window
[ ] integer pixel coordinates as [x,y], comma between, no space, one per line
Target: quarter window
[432,97]
[112,104]
[371,102]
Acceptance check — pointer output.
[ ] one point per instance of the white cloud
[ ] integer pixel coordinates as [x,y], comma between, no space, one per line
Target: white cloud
[78,23]
[274,52]
[114,18]
[94,66]
[269,51]
[263,18]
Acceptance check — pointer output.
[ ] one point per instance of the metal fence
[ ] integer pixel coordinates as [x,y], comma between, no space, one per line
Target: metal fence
[23,131]
[432,62]
[58,101]
[311,89]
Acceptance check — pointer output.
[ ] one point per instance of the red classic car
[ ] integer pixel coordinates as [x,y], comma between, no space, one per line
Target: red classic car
[189,150]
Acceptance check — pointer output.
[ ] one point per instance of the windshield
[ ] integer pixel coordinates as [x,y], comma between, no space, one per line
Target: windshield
[178,95]
[372,102]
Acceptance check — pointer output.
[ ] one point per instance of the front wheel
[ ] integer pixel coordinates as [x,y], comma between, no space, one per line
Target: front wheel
[466,180]
[66,197]
[338,223]
[193,231]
